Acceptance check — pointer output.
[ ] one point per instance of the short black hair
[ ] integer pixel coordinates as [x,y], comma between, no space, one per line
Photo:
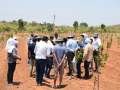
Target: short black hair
[65,39]
[32,35]
[51,37]
[34,40]
[45,38]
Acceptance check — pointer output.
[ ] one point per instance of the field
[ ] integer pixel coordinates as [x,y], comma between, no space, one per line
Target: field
[109,78]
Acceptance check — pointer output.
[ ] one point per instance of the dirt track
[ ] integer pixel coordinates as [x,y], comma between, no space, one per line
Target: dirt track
[109,79]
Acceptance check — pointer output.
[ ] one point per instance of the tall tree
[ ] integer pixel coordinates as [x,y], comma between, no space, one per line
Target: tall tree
[75,25]
[84,24]
[103,27]
[21,25]
[50,27]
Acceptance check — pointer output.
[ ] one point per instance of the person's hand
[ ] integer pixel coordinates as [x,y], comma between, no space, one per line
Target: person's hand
[59,66]
[19,58]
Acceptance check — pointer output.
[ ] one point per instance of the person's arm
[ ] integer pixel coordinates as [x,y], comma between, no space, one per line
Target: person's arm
[15,54]
[85,53]
[35,49]
[99,42]
[55,58]
[62,60]
[49,51]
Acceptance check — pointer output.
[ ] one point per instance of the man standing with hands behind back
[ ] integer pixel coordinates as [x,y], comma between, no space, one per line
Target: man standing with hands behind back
[59,57]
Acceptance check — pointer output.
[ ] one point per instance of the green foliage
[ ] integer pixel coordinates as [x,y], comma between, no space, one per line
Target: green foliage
[79,54]
[103,27]
[83,24]
[75,25]
[104,58]
[50,27]
[1,38]
[21,25]
[34,23]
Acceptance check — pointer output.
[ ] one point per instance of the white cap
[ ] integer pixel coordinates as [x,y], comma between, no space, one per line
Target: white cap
[84,34]
[15,38]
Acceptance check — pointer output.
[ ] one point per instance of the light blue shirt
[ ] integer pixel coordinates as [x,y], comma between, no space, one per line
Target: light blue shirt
[71,45]
[59,51]
[85,41]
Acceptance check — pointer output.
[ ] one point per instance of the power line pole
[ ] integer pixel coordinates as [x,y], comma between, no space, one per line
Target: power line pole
[54,17]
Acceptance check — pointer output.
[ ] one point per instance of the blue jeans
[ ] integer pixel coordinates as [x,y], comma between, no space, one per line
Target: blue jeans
[40,69]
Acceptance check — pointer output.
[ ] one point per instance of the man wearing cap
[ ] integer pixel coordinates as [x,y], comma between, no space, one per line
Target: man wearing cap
[12,57]
[59,57]
[88,57]
[41,58]
[96,46]
[71,46]
[85,38]
[12,41]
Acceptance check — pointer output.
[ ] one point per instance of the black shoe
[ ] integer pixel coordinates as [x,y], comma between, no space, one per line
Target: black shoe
[86,77]
[10,82]
[78,76]
[69,74]
[39,84]
[47,76]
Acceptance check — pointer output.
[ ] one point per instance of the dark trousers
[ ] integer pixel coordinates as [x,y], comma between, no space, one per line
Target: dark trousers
[10,73]
[70,56]
[96,59]
[86,66]
[48,66]
[78,66]
[40,69]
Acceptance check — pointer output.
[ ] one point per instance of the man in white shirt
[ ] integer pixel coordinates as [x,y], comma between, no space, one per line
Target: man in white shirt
[41,58]
[49,58]
[96,46]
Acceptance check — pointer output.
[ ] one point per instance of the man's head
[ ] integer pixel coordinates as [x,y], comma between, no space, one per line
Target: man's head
[70,36]
[56,35]
[84,35]
[51,38]
[15,38]
[59,41]
[34,40]
[32,35]
[95,35]
[45,38]
[65,40]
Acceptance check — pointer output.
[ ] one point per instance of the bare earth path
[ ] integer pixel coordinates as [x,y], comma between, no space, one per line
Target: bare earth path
[109,79]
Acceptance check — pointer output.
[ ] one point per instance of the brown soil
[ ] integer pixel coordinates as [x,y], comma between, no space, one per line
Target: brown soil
[109,77]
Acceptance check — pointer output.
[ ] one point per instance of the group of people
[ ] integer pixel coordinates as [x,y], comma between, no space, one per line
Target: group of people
[45,53]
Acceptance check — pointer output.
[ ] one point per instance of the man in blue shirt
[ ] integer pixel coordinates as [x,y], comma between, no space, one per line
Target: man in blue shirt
[59,57]
[31,56]
[71,46]
[85,38]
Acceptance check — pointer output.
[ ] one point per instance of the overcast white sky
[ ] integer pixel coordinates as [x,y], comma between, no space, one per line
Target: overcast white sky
[94,12]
